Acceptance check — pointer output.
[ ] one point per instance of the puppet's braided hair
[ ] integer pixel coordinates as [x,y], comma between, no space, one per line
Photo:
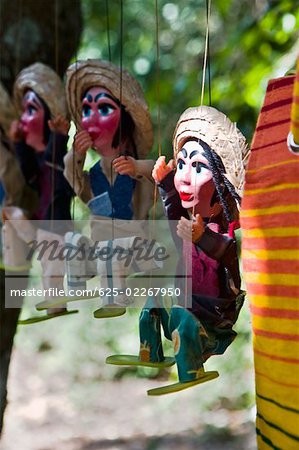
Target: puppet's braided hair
[223,186]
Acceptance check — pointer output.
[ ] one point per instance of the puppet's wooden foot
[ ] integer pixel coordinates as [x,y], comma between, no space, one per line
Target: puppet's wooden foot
[49,315]
[112,310]
[180,386]
[56,302]
[134,360]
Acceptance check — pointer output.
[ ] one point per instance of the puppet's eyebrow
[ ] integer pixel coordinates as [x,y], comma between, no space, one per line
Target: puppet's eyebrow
[34,100]
[184,152]
[88,97]
[195,152]
[104,94]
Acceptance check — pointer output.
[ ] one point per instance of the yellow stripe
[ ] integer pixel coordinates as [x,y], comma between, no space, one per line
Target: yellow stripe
[266,301]
[279,187]
[271,254]
[282,393]
[286,419]
[282,349]
[272,210]
[270,232]
[281,326]
[278,438]
[272,279]
[272,166]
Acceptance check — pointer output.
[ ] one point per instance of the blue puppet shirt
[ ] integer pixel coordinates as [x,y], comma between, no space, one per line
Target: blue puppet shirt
[111,200]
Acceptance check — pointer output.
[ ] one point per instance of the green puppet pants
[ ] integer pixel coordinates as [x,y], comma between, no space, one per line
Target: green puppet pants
[194,342]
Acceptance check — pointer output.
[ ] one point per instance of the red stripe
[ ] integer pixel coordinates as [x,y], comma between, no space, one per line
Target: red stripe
[273,243]
[278,104]
[267,290]
[277,83]
[271,144]
[275,335]
[280,313]
[272,124]
[284,197]
[284,172]
[269,221]
[277,358]
[280,266]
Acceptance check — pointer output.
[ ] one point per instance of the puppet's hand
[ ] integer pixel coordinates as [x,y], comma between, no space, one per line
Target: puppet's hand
[59,125]
[190,230]
[161,169]
[125,165]
[16,133]
[82,142]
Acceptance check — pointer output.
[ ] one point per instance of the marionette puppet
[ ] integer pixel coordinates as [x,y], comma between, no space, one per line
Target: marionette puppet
[40,139]
[11,176]
[201,191]
[111,115]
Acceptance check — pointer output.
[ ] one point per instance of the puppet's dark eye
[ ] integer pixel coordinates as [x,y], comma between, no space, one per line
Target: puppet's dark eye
[86,111]
[31,109]
[105,109]
[197,165]
[180,163]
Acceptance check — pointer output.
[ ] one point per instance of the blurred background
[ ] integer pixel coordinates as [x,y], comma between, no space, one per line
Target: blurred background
[61,393]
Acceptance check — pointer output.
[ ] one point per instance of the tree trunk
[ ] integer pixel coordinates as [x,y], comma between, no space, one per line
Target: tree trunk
[31,31]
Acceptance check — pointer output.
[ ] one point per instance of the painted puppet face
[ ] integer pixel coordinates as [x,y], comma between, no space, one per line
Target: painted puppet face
[193,178]
[100,118]
[32,121]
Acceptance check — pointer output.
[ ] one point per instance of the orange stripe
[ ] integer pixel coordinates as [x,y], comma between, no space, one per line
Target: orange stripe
[271,266]
[268,221]
[282,171]
[274,335]
[268,290]
[271,243]
[283,197]
[279,383]
[280,313]
[277,358]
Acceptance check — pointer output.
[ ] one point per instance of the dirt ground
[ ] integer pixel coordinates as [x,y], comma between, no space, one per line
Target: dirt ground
[52,413]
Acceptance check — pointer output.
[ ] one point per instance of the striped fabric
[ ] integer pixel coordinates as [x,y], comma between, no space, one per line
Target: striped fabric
[295,107]
[270,253]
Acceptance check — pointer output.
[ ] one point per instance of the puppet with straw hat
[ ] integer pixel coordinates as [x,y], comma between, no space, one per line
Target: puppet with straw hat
[11,175]
[40,137]
[201,191]
[112,117]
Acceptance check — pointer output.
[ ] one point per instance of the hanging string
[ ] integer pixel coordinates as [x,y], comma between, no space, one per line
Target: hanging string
[53,168]
[208,8]
[205,53]
[158,97]
[18,40]
[108,30]
[76,110]
[121,66]
[121,110]
[205,59]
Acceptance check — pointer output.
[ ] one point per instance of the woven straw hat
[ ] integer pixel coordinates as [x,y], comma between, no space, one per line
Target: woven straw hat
[45,82]
[7,109]
[83,75]
[222,136]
